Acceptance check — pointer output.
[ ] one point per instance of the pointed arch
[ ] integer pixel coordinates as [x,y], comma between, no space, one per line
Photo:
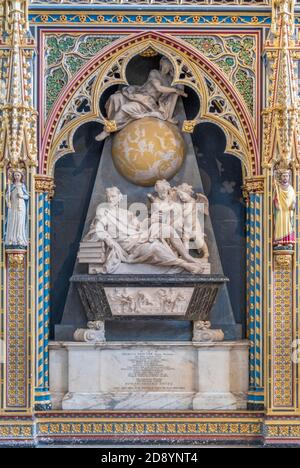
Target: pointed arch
[237,123]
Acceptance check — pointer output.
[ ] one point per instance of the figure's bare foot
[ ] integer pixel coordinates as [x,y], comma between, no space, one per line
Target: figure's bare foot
[196,269]
[188,258]
[102,136]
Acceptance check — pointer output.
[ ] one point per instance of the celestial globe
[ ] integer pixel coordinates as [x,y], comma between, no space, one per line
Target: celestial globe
[148,150]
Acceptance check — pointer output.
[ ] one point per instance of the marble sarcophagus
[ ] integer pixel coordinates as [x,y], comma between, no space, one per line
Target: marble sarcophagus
[140,296]
[121,251]
[125,297]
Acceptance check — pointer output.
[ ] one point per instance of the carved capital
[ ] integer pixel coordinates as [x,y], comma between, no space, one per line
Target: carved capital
[254,185]
[283,259]
[110,126]
[189,126]
[44,184]
[15,257]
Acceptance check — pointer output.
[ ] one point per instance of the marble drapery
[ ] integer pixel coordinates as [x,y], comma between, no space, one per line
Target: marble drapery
[156,98]
[129,241]
[16,218]
[284,202]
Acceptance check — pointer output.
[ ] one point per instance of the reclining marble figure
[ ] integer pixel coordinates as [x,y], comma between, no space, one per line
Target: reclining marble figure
[122,238]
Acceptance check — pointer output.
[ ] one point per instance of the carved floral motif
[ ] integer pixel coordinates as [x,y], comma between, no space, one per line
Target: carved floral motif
[45,184]
[66,55]
[236,56]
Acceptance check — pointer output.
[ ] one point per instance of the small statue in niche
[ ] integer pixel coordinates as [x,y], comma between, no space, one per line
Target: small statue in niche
[284,208]
[17,197]
[156,98]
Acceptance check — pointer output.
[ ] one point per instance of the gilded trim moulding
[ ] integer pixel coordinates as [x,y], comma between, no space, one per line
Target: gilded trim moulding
[44,184]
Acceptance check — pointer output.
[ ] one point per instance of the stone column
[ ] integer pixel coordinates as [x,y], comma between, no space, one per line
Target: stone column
[44,192]
[254,195]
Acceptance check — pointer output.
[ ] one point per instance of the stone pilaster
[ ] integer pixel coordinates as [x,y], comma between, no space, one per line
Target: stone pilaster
[281,152]
[18,152]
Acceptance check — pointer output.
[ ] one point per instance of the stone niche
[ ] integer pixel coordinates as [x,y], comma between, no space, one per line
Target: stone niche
[149,376]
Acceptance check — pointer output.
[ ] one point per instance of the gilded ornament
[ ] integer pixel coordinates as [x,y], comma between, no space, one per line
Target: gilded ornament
[254,185]
[17,117]
[110,126]
[45,184]
[149,52]
[281,118]
[283,260]
[189,126]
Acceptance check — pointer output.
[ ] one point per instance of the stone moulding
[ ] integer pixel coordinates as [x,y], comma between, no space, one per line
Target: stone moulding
[188,427]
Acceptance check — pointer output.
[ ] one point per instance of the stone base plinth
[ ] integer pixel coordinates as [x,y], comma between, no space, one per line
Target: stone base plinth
[219,401]
[128,401]
[149,376]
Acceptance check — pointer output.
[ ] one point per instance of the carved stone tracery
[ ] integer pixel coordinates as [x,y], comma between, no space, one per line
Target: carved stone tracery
[215,104]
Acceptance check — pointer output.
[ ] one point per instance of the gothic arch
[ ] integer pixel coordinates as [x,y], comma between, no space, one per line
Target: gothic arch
[192,69]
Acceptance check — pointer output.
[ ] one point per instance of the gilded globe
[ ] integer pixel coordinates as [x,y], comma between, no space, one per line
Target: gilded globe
[148,150]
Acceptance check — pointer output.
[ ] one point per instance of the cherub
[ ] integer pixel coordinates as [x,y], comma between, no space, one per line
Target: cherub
[166,219]
[192,228]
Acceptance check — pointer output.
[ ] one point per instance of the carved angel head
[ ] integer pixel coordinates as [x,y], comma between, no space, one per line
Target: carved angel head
[185,192]
[162,188]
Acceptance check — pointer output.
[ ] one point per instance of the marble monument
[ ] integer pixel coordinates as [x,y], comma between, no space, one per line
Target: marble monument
[148,256]
[149,376]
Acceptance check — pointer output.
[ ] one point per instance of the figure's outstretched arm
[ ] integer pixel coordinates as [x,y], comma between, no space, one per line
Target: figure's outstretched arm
[151,197]
[168,89]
